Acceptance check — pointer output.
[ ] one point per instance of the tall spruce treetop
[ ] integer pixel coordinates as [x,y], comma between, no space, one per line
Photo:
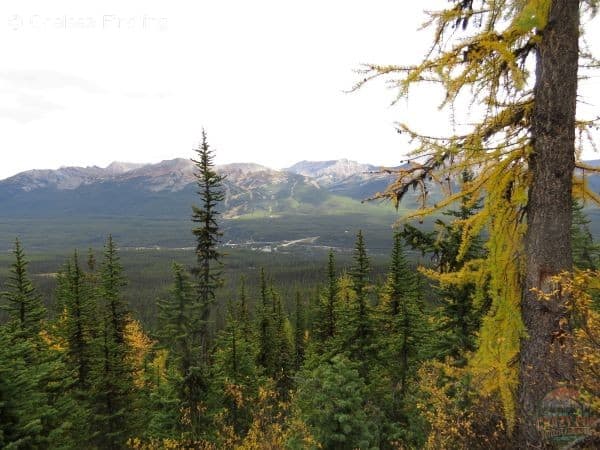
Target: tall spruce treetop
[326,326]
[522,140]
[112,283]
[359,271]
[207,232]
[23,303]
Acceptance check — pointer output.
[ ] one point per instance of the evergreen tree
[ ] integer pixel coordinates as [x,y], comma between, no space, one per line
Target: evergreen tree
[176,327]
[243,314]
[586,253]
[23,303]
[356,333]
[266,342]
[459,316]
[36,410]
[283,351]
[78,322]
[208,269]
[332,399]
[234,375]
[208,274]
[326,319]
[22,403]
[113,387]
[299,333]
[403,323]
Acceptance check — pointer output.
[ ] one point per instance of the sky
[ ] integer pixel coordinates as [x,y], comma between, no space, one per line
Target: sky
[90,82]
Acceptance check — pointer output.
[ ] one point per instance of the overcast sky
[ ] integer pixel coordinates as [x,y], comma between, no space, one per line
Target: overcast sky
[91,82]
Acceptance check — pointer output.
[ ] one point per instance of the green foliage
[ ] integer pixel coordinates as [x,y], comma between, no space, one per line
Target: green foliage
[77,324]
[207,231]
[265,332]
[356,335]
[332,398]
[113,389]
[299,333]
[458,318]
[235,378]
[23,303]
[208,277]
[586,253]
[402,323]
[325,327]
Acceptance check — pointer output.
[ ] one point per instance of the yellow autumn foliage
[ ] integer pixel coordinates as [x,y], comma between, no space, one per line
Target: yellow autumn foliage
[486,65]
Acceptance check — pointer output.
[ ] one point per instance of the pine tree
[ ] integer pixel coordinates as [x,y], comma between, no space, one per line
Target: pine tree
[23,303]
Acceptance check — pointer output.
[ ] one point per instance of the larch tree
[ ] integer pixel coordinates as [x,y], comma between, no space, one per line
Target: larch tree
[517,61]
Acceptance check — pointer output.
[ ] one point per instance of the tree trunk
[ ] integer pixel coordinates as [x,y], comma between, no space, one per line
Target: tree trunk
[545,356]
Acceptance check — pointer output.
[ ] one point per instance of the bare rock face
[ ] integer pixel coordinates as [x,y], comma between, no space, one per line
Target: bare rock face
[331,172]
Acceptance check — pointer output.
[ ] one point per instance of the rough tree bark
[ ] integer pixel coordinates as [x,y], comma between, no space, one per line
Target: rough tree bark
[545,356]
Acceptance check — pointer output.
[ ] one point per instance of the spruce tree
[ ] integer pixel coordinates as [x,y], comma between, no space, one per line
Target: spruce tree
[299,332]
[243,314]
[265,333]
[234,375]
[459,316]
[356,335]
[403,323]
[326,318]
[36,409]
[283,351]
[586,253]
[176,313]
[22,302]
[208,269]
[78,322]
[207,272]
[113,387]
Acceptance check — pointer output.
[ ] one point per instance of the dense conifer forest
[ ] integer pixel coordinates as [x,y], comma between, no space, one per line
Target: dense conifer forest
[334,356]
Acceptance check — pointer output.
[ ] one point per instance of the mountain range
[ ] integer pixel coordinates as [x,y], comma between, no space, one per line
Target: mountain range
[150,204]
[141,203]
